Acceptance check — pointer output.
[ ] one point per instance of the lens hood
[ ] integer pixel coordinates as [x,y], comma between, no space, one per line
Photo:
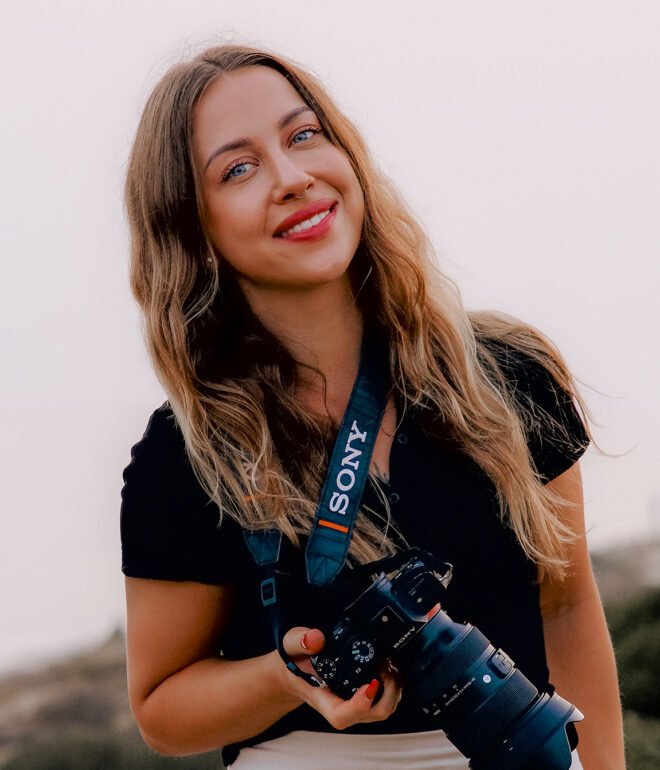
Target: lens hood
[539,741]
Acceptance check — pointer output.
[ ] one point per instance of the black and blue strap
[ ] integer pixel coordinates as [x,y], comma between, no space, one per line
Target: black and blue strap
[348,470]
[339,504]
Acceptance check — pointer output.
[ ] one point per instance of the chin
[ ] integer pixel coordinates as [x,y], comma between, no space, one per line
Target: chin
[335,274]
[323,272]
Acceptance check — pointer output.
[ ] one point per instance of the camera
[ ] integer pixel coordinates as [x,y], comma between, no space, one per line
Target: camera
[488,709]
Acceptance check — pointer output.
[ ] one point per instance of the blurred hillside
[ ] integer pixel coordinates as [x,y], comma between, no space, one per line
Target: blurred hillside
[622,573]
[74,714]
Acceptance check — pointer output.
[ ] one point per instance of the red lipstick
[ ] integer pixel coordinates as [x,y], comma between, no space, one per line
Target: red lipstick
[309,211]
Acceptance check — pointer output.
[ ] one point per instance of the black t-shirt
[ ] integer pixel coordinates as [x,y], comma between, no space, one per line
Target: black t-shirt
[440,499]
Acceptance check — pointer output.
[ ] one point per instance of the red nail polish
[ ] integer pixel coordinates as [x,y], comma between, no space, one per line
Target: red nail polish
[303,642]
[372,689]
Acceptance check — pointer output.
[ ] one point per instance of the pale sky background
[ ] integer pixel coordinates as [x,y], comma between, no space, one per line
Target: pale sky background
[524,135]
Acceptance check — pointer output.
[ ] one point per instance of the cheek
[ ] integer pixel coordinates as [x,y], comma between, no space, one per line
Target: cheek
[230,224]
[357,201]
[353,187]
[345,169]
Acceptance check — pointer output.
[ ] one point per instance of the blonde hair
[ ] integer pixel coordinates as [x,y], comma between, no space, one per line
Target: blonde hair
[257,453]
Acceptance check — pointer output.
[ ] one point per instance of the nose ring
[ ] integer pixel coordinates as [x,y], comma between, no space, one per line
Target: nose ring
[300,197]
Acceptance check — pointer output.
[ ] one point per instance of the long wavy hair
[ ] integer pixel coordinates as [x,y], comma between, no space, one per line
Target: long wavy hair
[258,454]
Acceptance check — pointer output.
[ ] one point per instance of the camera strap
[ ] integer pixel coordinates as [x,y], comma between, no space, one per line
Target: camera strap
[348,470]
[339,503]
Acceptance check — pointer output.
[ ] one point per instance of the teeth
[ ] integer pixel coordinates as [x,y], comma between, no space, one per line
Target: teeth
[307,223]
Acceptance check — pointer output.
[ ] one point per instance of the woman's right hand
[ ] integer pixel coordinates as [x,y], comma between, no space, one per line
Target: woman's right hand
[301,643]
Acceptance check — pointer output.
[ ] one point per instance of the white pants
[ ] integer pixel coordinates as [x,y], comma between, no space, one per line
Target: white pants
[304,750]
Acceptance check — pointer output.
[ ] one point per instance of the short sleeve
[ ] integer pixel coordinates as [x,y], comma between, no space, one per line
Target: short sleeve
[556,435]
[168,525]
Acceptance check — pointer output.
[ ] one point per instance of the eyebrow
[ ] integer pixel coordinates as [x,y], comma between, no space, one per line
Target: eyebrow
[236,145]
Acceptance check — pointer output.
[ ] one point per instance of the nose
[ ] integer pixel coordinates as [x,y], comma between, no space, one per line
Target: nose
[290,180]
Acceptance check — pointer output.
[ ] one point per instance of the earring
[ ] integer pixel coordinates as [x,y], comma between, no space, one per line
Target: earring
[209,259]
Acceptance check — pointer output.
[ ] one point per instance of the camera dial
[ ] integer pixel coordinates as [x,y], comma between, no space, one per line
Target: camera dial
[326,668]
[362,651]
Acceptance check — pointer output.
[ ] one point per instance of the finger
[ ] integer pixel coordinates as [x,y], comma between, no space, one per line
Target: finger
[387,668]
[303,641]
[360,707]
[344,713]
[389,699]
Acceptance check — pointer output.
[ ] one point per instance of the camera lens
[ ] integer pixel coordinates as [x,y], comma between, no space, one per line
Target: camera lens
[487,707]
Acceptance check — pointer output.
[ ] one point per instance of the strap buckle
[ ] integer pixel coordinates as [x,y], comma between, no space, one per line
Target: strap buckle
[268,593]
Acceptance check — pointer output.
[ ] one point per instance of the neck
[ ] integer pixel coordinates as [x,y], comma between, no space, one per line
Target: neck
[321,328]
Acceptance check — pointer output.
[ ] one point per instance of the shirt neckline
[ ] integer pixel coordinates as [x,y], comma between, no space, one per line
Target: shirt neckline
[403,425]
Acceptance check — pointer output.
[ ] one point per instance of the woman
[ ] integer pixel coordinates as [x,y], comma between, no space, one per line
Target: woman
[264,243]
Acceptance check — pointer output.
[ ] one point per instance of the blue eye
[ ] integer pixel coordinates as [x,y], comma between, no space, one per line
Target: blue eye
[240,169]
[230,171]
[308,130]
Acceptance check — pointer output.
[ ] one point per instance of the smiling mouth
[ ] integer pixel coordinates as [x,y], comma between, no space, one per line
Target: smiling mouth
[312,228]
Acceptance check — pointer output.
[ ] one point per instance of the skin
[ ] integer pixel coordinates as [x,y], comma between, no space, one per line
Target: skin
[577,642]
[302,292]
[244,209]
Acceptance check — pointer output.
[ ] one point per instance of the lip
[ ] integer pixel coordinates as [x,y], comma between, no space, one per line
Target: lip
[300,216]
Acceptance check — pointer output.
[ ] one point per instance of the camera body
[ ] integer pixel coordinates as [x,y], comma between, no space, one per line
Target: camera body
[463,685]
[379,624]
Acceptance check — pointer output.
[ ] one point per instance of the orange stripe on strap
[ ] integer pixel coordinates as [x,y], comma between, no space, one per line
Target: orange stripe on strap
[332,525]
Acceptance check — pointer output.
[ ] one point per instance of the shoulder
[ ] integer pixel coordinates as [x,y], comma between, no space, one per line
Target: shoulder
[158,471]
[159,466]
[162,439]
[542,391]
[526,375]
[536,380]
[520,356]
[162,433]
[169,526]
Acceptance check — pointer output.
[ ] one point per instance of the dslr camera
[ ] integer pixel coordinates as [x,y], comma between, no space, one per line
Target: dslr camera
[488,709]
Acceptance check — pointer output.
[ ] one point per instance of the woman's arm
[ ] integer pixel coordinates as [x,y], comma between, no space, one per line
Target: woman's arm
[186,700]
[182,695]
[577,642]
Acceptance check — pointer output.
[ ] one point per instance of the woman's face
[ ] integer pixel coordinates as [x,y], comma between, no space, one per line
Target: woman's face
[257,146]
